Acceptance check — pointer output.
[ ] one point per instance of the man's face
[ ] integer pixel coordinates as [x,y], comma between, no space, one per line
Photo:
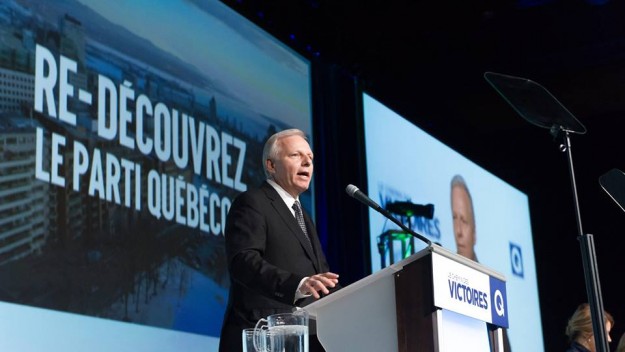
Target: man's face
[464,223]
[292,169]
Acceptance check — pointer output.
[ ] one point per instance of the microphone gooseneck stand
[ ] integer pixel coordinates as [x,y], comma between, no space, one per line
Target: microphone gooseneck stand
[589,258]
[354,192]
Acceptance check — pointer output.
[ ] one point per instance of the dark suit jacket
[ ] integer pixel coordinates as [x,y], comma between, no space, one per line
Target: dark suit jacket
[268,255]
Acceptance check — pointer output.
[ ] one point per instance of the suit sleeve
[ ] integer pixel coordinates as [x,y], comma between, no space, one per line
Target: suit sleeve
[246,240]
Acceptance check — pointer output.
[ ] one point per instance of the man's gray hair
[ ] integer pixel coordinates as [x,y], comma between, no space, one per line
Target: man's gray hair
[458,181]
[272,148]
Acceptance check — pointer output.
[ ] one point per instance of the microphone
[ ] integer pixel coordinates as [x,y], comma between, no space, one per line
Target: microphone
[354,192]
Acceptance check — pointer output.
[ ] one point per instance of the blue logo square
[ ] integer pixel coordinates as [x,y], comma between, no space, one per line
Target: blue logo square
[498,302]
[516,259]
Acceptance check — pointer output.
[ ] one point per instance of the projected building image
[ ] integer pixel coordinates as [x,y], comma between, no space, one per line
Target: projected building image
[126,129]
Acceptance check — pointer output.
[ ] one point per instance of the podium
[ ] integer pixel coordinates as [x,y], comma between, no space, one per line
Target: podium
[434,300]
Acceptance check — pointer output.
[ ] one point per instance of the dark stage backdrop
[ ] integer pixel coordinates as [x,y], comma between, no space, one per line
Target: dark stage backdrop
[126,130]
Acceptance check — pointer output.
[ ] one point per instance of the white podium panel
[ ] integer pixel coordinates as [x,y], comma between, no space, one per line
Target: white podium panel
[395,308]
[360,317]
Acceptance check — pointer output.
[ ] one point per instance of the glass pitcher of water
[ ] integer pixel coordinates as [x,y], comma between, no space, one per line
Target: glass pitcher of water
[285,332]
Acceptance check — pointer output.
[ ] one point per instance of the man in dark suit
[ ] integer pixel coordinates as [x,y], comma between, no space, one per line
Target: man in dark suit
[275,264]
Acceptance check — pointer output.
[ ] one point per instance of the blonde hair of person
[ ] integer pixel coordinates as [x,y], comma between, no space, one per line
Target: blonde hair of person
[579,327]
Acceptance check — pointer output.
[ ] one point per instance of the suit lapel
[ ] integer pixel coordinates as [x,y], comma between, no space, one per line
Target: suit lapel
[288,218]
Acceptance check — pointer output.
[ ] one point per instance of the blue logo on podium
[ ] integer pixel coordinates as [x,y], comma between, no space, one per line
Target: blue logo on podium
[498,302]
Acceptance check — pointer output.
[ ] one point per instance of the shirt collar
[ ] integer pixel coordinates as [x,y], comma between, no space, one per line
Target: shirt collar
[286,197]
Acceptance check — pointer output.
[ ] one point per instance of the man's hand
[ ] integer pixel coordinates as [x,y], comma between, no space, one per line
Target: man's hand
[319,283]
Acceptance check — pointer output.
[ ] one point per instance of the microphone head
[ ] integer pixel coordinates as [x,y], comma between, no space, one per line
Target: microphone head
[351,190]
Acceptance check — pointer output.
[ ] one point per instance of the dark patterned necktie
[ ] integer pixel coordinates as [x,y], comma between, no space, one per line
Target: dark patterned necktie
[300,219]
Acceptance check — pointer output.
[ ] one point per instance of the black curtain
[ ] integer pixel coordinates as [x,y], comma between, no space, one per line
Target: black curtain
[338,145]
